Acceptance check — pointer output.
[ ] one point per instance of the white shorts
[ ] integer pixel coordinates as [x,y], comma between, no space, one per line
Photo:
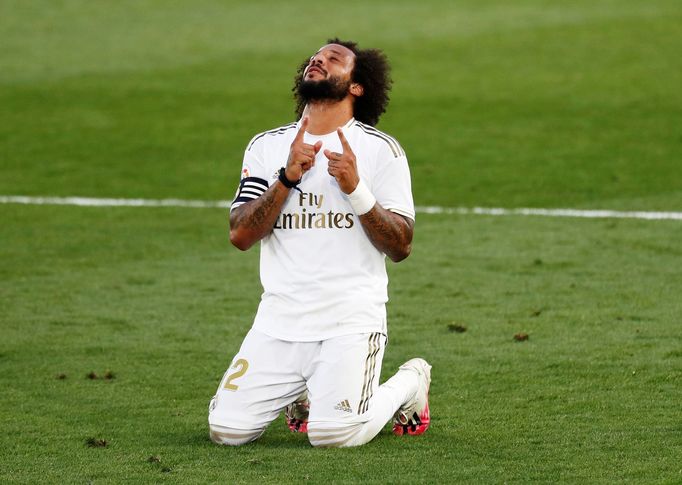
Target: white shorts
[267,374]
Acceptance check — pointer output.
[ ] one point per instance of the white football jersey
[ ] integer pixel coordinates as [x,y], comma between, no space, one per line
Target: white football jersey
[321,275]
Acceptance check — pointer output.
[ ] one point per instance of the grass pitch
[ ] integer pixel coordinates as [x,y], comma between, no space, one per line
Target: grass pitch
[155,297]
[118,323]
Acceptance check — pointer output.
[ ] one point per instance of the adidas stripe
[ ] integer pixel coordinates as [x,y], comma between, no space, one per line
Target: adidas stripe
[276,131]
[392,143]
[374,346]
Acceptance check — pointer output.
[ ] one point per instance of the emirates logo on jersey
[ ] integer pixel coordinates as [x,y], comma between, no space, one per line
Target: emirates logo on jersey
[313,216]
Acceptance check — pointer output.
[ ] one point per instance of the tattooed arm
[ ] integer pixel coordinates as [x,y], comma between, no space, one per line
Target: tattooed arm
[389,232]
[251,222]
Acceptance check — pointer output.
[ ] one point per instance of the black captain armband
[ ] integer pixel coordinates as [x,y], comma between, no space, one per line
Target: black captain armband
[250,188]
[286,182]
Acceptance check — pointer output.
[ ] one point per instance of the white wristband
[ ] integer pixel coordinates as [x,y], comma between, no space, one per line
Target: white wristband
[361,199]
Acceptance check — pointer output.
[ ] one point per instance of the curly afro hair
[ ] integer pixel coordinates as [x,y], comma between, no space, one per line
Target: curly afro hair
[371,71]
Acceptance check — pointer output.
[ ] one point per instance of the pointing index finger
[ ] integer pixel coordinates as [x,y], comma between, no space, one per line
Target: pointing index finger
[301,130]
[344,142]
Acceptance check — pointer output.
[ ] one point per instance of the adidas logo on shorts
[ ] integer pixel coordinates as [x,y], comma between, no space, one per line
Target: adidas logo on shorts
[344,406]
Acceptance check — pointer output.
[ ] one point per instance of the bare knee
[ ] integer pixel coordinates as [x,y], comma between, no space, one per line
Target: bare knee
[322,435]
[233,437]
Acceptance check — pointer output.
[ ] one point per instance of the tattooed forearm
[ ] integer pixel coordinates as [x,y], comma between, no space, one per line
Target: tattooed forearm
[389,232]
[254,213]
[251,222]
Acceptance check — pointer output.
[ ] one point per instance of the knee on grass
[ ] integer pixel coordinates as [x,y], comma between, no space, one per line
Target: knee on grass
[233,437]
[324,436]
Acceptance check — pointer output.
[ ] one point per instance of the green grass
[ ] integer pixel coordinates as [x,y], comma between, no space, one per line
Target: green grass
[525,103]
[593,395]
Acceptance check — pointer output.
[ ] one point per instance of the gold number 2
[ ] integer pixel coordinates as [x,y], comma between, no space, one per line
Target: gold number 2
[241,365]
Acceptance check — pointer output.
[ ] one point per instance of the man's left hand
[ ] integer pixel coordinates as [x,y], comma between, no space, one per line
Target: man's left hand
[343,166]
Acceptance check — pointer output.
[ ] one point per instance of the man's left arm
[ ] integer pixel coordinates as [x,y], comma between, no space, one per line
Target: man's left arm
[389,232]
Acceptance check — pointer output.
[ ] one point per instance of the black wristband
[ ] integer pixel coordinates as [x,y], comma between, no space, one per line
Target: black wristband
[285,181]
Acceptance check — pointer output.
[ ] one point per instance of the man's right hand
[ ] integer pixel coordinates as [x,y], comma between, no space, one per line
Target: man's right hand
[301,155]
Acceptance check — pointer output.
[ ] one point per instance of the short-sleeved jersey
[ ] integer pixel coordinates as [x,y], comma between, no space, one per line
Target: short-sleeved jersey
[321,275]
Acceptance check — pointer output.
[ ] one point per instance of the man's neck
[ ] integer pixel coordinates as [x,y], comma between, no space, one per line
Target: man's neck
[326,116]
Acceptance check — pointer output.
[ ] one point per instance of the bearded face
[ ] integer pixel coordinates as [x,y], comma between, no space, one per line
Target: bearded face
[330,89]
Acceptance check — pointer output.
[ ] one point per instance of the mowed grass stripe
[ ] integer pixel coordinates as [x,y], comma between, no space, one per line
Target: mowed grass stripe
[488,211]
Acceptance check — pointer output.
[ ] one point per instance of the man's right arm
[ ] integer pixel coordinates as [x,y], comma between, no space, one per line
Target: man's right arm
[253,220]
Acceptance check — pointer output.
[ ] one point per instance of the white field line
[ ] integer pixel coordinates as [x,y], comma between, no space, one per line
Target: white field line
[98,202]
[488,211]
[587,213]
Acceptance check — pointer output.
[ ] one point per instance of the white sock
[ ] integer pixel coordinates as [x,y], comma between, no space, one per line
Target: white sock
[403,385]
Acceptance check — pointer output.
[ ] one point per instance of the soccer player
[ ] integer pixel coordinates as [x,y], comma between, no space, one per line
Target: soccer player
[328,197]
